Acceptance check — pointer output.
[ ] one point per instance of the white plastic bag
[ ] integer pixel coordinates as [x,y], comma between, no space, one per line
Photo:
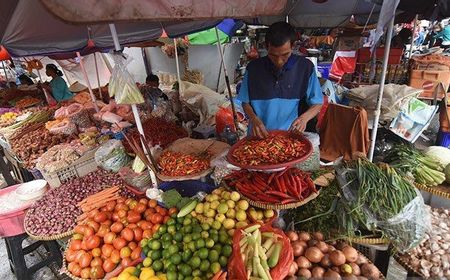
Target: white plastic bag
[121,85]
[112,156]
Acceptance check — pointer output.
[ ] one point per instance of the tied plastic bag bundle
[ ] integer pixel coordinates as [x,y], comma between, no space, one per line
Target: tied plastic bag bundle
[112,156]
[65,127]
[78,115]
[141,180]
[237,269]
[122,86]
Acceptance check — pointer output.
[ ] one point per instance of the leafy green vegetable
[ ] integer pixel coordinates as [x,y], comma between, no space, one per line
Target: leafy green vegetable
[171,198]
[183,202]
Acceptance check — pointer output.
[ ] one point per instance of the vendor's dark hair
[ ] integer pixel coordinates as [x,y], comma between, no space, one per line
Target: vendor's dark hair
[279,33]
[24,79]
[152,78]
[54,68]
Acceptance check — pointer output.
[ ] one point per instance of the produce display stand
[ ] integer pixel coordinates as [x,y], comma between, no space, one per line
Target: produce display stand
[48,238]
[441,190]
[411,272]
[281,206]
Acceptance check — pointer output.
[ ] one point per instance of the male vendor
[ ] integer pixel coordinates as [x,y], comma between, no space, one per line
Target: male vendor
[276,86]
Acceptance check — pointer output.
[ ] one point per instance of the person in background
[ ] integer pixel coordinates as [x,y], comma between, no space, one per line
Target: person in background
[58,86]
[444,35]
[280,91]
[25,80]
[12,85]
[151,91]
[402,39]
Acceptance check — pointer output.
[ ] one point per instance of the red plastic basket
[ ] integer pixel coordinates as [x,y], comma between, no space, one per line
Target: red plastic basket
[308,147]
[11,223]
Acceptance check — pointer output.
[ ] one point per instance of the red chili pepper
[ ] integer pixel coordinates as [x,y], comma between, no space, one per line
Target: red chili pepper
[279,194]
[288,200]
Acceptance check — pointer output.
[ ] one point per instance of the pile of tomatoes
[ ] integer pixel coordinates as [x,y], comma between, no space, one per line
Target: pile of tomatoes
[110,236]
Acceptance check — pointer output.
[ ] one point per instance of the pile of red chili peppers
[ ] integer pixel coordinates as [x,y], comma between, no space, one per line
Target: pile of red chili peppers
[157,131]
[179,164]
[288,186]
[272,150]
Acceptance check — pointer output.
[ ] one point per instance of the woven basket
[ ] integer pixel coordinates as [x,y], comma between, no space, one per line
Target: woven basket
[64,268]
[408,268]
[368,241]
[51,237]
[280,206]
[442,191]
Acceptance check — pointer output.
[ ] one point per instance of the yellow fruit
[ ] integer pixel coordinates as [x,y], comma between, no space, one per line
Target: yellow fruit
[216,225]
[269,213]
[243,204]
[259,215]
[199,208]
[211,213]
[241,224]
[231,232]
[253,214]
[146,273]
[231,204]
[226,195]
[162,277]
[209,221]
[124,276]
[130,269]
[147,262]
[228,224]
[235,196]
[222,208]
[214,197]
[194,214]
[241,215]
[220,218]
[218,191]
[132,277]
[206,207]
[231,214]
[215,204]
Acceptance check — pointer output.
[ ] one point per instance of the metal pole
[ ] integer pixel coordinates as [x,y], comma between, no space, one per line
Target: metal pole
[6,73]
[87,82]
[412,36]
[177,64]
[227,80]
[387,48]
[148,71]
[98,76]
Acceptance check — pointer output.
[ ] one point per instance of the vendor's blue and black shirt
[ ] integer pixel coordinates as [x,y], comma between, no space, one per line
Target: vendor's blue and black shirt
[275,95]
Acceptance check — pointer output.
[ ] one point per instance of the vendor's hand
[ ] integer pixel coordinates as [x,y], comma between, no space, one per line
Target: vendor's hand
[299,125]
[258,128]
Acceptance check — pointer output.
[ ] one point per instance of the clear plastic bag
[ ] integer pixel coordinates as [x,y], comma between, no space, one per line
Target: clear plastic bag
[121,85]
[112,156]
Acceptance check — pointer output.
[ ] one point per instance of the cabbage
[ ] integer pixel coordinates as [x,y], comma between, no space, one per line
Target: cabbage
[439,153]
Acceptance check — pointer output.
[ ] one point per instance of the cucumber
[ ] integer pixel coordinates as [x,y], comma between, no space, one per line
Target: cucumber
[188,208]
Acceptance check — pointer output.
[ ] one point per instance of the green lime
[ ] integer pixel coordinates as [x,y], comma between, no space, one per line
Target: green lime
[200,243]
[188,216]
[204,266]
[186,270]
[209,275]
[223,238]
[204,234]
[196,235]
[180,276]
[137,272]
[180,220]
[157,265]
[213,256]
[156,255]
[187,222]
[166,244]
[156,235]
[171,221]
[195,262]
[174,216]
[197,229]
[187,255]
[196,278]
[156,245]
[209,243]
[172,267]
[171,229]
[149,253]
[162,229]
[188,278]
[166,237]
[196,273]
[187,229]
[213,231]
[147,262]
[145,250]
[178,227]
[203,253]
[217,247]
[178,237]
[214,237]
[171,275]
[191,246]
[227,250]
[205,226]
[143,243]
[187,238]
[165,254]
[223,261]
[173,249]
[175,259]
[215,267]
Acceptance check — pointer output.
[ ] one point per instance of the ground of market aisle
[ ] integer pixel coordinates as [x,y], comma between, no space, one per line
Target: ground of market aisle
[43,274]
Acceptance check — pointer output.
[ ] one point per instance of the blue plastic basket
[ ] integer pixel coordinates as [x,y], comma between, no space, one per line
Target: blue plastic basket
[443,139]
[187,188]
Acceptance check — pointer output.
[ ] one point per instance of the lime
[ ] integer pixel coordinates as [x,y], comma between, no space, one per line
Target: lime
[178,237]
[157,265]
[196,273]
[171,275]
[187,222]
[195,262]
[166,244]
[213,231]
[204,234]
[204,266]
[191,246]
[156,235]
[156,255]
[196,235]
[166,237]
[175,258]
[171,221]
[205,226]
[223,261]
[226,250]
[203,253]
[197,229]
[171,229]
[214,237]
[162,229]
[143,243]
[172,267]
[180,276]
[213,256]
[173,249]
[217,247]
[186,270]
[209,243]
[178,227]
[209,275]
[187,238]
[187,229]
[196,278]
[149,254]
[187,255]
[223,238]
[156,245]
[215,267]
[180,220]
[136,272]
[188,278]
[145,250]
[147,262]
[165,254]
[200,243]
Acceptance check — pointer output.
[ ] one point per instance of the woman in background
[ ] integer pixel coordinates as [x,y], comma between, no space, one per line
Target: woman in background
[58,86]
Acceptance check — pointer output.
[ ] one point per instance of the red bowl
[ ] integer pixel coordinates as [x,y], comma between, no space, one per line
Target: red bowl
[308,147]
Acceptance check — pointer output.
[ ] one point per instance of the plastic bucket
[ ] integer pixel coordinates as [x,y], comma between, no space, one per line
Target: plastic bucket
[11,223]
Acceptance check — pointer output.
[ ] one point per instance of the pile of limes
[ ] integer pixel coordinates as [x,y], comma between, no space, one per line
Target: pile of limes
[184,249]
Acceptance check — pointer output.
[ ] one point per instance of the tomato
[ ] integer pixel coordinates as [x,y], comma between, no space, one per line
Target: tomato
[85,260]
[107,222]
[96,261]
[136,254]
[97,272]
[100,217]
[70,266]
[149,211]
[106,250]
[155,228]
[115,217]
[132,245]
[108,265]
[79,255]
[146,225]
[75,245]
[121,200]
[109,238]
[92,242]
[157,219]
[147,233]
[70,255]
[132,226]
[126,262]
[76,270]
[117,227]
[172,211]
[94,225]
[140,208]
[125,252]
[77,236]
[96,252]
[110,206]
[115,256]
[84,245]
[103,230]
[137,234]
[85,273]
[133,216]
[127,234]
[166,218]
[92,213]
[143,201]
[162,211]
[152,203]
[121,206]
[80,229]
[88,231]
[122,213]
[119,243]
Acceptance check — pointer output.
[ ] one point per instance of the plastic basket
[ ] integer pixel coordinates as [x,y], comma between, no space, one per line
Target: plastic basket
[11,223]
[443,139]
[81,167]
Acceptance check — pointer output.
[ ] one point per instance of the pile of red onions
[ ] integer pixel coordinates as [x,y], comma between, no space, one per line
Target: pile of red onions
[57,211]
